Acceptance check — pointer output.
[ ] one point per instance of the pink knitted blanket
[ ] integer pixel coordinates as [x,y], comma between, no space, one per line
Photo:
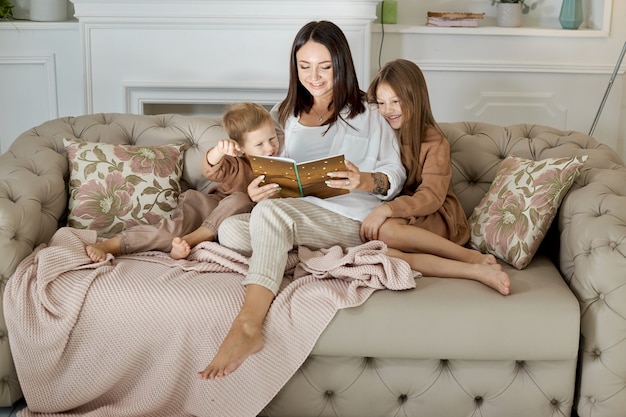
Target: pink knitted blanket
[125,337]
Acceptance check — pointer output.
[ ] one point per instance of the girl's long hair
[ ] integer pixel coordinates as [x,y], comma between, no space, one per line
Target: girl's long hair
[407,80]
[346,91]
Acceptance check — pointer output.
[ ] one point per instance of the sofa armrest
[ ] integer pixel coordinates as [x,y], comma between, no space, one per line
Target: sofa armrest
[32,200]
[592,221]
[33,196]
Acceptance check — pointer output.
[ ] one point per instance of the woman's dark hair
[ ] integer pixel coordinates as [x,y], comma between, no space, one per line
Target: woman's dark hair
[346,91]
[407,80]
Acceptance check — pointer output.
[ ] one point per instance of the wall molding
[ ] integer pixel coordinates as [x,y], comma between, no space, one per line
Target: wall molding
[495,105]
[213,31]
[515,66]
[138,94]
[48,65]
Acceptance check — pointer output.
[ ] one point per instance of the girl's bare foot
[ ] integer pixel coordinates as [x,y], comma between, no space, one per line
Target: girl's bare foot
[482,258]
[243,339]
[180,248]
[493,276]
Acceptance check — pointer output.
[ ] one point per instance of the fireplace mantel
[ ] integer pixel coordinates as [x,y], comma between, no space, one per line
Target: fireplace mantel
[216,45]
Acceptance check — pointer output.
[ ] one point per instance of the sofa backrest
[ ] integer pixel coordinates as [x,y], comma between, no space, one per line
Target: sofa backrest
[478,148]
[34,171]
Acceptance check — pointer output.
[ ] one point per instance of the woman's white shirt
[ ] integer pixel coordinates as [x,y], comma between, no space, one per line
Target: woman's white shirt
[367,141]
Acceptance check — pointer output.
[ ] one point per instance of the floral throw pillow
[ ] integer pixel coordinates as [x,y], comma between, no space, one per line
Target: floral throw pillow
[114,187]
[514,216]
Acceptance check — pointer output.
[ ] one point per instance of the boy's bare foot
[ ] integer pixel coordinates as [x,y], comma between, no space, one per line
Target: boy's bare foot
[96,253]
[243,339]
[493,276]
[180,248]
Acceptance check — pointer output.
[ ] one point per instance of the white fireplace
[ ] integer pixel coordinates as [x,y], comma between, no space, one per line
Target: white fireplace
[156,56]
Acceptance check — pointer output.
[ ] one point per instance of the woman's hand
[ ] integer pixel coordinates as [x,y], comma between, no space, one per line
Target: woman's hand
[259,192]
[373,221]
[350,179]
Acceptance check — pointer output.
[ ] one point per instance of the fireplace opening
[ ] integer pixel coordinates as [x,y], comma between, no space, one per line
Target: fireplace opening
[207,109]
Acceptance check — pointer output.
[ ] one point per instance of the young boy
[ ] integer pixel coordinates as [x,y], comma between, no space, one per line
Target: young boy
[197,217]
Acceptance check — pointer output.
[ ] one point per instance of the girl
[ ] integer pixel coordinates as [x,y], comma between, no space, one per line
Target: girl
[426,225]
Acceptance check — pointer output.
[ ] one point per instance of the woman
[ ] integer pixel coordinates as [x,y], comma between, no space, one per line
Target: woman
[324,113]
[426,225]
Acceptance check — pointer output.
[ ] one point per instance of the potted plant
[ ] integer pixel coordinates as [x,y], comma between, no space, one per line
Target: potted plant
[526,5]
[6,10]
[510,11]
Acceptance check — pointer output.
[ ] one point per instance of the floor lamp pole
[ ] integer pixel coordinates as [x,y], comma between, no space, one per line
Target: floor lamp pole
[608,89]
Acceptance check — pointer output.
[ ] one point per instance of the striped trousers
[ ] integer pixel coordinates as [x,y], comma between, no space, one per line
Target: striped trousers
[277,226]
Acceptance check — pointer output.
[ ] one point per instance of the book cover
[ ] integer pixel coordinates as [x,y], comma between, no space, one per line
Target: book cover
[457,15]
[299,179]
[448,22]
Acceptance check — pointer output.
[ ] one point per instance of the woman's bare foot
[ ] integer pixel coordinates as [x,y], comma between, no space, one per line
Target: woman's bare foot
[98,252]
[243,339]
[493,276]
[180,248]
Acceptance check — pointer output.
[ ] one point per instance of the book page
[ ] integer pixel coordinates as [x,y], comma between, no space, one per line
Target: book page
[314,174]
[299,180]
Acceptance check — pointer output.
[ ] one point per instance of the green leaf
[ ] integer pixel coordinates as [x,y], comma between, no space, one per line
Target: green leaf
[174,184]
[134,179]
[90,169]
[164,206]
[99,154]
[136,211]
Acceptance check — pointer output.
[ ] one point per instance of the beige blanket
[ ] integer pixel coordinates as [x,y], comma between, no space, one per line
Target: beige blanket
[125,337]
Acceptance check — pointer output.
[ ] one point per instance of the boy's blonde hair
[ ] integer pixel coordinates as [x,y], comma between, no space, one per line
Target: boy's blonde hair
[244,117]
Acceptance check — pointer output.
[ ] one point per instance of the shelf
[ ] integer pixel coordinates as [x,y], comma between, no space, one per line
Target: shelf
[31,25]
[491,31]
[541,22]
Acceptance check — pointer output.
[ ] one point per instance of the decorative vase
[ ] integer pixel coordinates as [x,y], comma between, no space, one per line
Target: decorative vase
[509,14]
[48,10]
[571,15]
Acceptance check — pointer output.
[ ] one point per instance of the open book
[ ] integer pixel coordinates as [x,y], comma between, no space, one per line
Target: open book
[299,179]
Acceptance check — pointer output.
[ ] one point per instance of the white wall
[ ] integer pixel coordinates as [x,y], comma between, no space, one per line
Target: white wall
[521,76]
[40,75]
[527,75]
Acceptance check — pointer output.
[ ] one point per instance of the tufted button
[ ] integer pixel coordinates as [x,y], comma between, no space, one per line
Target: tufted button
[554,401]
[329,393]
[601,296]
[403,398]
[597,353]
[478,399]
[592,400]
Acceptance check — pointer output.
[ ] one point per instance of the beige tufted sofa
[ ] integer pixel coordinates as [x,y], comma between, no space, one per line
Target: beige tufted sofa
[449,347]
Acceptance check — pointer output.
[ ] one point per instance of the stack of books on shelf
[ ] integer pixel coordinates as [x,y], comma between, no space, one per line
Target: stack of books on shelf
[454,19]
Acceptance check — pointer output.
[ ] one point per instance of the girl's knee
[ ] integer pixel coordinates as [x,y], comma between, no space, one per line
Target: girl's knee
[388,232]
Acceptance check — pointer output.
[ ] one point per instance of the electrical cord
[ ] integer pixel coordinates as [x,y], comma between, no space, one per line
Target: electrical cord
[382,35]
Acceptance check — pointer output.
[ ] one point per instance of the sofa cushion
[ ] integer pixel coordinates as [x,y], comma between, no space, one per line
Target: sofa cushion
[114,187]
[462,319]
[514,216]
